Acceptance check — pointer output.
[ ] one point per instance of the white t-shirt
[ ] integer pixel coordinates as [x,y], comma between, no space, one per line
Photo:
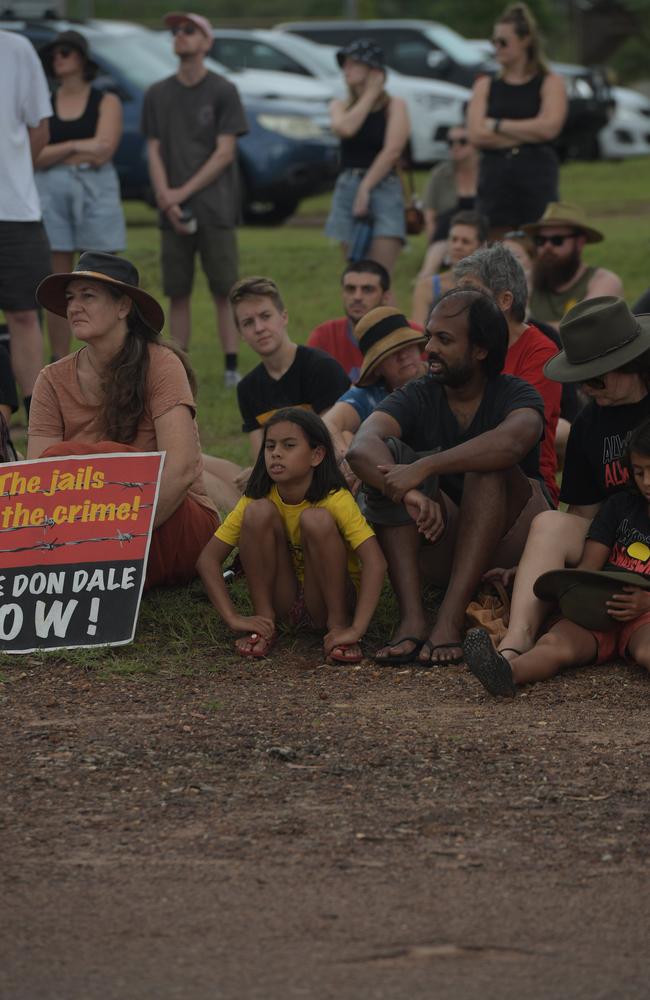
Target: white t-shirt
[24,103]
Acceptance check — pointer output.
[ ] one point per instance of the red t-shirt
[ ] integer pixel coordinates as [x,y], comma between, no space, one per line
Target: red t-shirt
[526,359]
[337,338]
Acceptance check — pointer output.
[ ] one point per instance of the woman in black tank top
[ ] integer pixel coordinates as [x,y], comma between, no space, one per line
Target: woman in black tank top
[76,180]
[514,119]
[374,129]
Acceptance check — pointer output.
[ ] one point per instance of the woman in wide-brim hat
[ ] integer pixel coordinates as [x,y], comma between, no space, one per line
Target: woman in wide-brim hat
[77,183]
[374,129]
[606,349]
[125,390]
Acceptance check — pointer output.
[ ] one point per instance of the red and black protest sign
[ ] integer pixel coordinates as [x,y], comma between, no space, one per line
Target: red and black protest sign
[74,540]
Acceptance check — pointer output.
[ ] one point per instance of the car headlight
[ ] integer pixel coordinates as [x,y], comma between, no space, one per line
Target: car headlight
[580,88]
[292,126]
[432,102]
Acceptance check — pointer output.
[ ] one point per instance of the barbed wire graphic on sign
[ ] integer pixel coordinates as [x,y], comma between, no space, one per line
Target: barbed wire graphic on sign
[49,522]
[123,538]
[65,489]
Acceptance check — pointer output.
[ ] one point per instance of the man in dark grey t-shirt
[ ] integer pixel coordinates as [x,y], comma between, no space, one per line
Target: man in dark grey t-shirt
[191,122]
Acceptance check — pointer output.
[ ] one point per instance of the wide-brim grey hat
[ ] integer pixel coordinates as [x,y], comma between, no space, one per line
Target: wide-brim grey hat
[598,336]
[583,594]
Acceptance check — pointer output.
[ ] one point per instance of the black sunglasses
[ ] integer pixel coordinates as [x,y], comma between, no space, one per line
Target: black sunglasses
[500,43]
[555,241]
[457,142]
[594,383]
[184,29]
[63,50]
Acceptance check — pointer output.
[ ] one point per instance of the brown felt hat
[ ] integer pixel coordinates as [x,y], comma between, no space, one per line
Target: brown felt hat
[598,336]
[380,333]
[109,269]
[561,213]
[583,594]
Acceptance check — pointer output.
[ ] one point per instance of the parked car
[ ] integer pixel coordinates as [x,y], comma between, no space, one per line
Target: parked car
[434,106]
[288,154]
[627,133]
[426,48]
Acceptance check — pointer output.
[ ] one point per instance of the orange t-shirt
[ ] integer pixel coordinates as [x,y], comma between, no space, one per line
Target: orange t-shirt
[59,408]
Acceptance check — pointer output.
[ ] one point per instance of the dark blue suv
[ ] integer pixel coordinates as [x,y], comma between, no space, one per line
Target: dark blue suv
[286,156]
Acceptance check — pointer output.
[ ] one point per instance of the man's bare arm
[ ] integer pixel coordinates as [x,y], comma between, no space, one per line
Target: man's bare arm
[39,136]
[369,450]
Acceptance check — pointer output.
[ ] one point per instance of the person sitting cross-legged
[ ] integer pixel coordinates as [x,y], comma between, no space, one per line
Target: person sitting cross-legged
[450,464]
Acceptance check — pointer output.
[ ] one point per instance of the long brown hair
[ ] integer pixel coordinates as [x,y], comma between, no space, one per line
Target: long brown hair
[125,378]
[524,25]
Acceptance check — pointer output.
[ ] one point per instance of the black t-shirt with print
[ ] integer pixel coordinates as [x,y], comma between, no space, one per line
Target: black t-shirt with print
[593,466]
[427,423]
[623,525]
[314,381]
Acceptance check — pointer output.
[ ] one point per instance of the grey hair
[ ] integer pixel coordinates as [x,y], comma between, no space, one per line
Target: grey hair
[498,270]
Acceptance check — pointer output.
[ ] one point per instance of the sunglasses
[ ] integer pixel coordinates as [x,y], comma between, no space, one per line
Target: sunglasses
[594,383]
[63,50]
[555,241]
[500,43]
[457,142]
[184,29]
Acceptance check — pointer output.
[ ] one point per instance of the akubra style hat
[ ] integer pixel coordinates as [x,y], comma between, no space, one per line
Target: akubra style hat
[598,336]
[561,213]
[363,50]
[178,17]
[110,270]
[73,40]
[582,594]
[380,333]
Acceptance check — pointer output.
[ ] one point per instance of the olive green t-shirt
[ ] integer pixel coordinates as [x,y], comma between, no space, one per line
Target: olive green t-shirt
[187,121]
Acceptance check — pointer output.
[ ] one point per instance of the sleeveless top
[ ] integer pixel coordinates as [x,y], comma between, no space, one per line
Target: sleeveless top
[515,100]
[359,150]
[84,127]
[550,307]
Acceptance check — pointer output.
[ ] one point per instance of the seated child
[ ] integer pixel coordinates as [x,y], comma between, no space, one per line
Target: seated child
[623,520]
[302,540]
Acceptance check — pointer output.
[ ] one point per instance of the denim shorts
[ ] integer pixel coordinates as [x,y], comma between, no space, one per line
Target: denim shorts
[386,207]
[81,207]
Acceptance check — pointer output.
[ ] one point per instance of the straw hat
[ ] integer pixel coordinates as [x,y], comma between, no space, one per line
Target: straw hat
[110,270]
[598,336]
[561,213]
[380,333]
[583,594]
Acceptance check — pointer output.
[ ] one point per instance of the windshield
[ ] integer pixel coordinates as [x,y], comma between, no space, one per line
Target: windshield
[454,44]
[322,57]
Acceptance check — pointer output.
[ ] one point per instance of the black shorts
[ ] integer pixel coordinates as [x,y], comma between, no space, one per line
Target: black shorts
[24,262]
[217,248]
[515,188]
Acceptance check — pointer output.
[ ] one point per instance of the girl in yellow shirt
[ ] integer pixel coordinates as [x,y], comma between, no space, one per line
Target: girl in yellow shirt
[301,536]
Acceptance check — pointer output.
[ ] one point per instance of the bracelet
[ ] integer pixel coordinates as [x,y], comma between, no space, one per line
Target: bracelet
[497,125]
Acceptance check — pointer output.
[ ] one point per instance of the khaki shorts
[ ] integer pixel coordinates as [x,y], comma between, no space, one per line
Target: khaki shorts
[217,248]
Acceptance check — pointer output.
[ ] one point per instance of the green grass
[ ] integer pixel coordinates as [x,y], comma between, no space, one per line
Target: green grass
[178,632]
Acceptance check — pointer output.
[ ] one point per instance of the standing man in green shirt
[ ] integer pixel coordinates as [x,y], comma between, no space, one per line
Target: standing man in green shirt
[191,121]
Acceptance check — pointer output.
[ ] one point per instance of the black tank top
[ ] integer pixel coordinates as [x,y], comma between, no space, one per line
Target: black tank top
[515,100]
[360,149]
[84,127]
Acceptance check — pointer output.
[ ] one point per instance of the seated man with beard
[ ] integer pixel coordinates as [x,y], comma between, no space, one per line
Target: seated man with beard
[450,467]
[561,278]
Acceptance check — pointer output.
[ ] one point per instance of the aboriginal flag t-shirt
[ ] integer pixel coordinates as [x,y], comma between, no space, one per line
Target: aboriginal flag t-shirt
[623,525]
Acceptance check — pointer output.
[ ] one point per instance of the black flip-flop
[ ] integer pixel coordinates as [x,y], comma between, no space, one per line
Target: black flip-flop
[400,658]
[491,668]
[433,646]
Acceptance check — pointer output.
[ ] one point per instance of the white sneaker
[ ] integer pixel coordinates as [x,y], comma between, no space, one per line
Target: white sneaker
[231,379]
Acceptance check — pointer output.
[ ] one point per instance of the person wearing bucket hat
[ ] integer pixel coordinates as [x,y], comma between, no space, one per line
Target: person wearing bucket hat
[604,602]
[191,122]
[450,470]
[561,278]
[374,129]
[76,180]
[392,356]
[125,390]
[606,348]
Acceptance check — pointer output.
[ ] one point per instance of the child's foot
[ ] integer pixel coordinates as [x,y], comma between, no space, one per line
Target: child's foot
[255,645]
[490,667]
[346,653]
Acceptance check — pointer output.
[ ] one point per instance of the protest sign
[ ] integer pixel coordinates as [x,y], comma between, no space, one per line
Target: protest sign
[74,541]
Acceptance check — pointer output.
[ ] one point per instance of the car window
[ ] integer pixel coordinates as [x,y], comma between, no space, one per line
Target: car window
[243,53]
[410,56]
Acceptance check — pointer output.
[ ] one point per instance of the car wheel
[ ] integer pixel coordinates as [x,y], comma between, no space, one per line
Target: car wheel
[269,213]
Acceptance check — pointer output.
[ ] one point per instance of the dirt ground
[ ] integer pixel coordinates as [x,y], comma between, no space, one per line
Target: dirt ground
[289,830]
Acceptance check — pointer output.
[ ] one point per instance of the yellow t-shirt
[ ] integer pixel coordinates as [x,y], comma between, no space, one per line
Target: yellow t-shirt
[342,506]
